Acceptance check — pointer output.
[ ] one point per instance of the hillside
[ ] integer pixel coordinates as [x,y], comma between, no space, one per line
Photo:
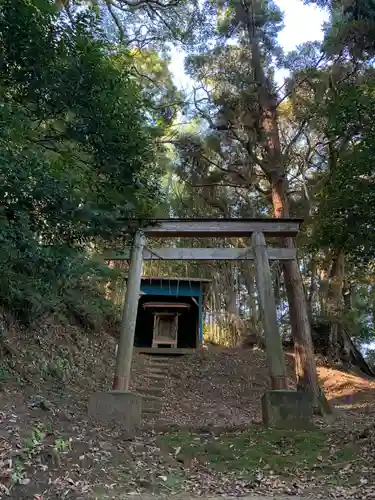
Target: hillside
[48,447]
[223,387]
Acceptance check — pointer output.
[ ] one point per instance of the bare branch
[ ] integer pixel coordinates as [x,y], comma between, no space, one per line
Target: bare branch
[162,19]
[136,4]
[116,20]
[211,184]
[304,79]
[295,139]
[204,115]
[141,75]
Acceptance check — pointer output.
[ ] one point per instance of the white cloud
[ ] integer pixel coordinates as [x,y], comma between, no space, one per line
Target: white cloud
[303,23]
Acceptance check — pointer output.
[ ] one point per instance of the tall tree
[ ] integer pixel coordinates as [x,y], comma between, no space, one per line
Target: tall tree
[76,158]
[241,104]
[340,99]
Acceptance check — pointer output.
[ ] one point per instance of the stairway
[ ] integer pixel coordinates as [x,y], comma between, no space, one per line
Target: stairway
[153,386]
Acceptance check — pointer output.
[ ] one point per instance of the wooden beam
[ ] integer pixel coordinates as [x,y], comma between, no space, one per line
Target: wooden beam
[204,254]
[163,305]
[165,350]
[165,228]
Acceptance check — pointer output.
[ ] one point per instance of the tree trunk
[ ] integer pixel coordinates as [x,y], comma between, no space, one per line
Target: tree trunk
[217,313]
[311,298]
[335,303]
[347,295]
[323,289]
[233,320]
[336,283]
[110,286]
[253,327]
[273,167]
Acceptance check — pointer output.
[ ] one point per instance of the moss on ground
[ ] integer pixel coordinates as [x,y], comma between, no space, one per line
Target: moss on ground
[280,452]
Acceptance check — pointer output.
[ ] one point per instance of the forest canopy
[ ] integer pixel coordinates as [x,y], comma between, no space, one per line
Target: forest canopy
[78,154]
[94,130]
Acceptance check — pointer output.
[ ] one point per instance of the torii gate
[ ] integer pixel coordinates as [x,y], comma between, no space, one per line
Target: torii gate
[258,229]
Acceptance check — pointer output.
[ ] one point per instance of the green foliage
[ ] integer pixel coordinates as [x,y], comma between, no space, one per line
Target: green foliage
[85,122]
[346,203]
[60,367]
[32,446]
[4,373]
[151,23]
[77,156]
[360,317]
[351,28]
[334,94]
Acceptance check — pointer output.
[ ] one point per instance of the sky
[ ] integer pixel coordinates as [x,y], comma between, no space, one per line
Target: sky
[302,23]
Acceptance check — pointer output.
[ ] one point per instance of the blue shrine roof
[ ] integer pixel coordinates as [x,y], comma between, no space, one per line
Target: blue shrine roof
[161,285]
[167,278]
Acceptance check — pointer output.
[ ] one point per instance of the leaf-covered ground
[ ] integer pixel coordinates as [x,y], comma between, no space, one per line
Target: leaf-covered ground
[207,442]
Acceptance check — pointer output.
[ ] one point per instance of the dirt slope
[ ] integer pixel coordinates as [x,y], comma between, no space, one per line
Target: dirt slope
[51,449]
[216,387]
[347,389]
[223,387]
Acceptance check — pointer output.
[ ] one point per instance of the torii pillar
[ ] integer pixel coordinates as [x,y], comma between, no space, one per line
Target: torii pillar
[120,407]
[281,407]
[267,302]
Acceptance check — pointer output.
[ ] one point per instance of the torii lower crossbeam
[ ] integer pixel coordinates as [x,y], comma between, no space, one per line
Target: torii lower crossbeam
[204,254]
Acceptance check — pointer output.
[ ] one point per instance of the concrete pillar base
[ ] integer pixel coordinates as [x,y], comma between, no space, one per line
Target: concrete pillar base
[119,408]
[285,409]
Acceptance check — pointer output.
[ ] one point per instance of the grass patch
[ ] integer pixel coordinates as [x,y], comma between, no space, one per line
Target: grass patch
[280,452]
[172,483]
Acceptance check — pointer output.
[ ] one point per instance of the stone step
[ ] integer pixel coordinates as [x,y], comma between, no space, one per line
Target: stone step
[151,412]
[153,391]
[149,397]
[148,407]
[154,386]
[159,360]
[155,376]
[158,369]
[151,400]
[154,412]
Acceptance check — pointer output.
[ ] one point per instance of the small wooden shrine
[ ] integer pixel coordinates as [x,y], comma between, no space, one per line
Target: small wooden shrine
[170,314]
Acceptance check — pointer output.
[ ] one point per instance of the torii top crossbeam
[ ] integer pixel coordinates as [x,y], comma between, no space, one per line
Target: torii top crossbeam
[164,228]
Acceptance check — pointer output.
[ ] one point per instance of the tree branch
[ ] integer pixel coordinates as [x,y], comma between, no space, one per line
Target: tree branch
[304,79]
[136,4]
[295,139]
[116,20]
